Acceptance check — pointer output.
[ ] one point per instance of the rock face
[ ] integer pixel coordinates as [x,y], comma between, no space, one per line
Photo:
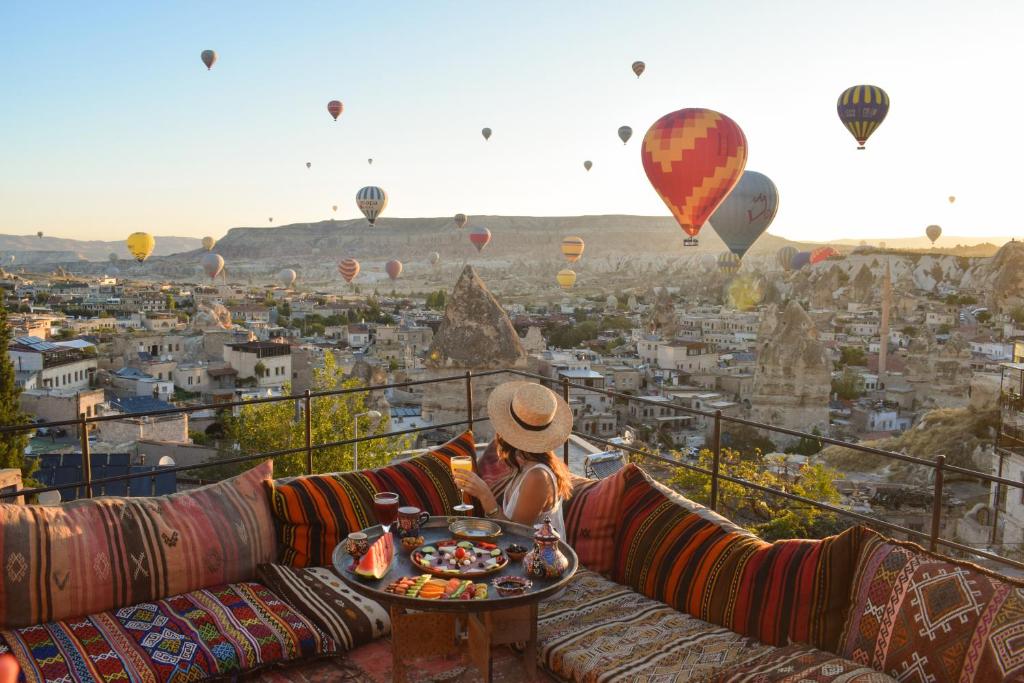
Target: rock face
[475,334]
[792,380]
[1000,279]
[534,340]
[662,318]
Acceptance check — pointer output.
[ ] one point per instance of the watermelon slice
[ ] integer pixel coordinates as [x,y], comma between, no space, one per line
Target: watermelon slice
[377,560]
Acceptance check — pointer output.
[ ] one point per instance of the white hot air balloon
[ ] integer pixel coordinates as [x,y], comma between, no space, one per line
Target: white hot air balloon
[212,265]
[371,200]
[286,277]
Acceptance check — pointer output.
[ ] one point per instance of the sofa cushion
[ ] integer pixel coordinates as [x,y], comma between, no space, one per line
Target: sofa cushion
[596,630]
[316,512]
[671,549]
[923,617]
[800,664]
[213,632]
[320,596]
[590,516]
[96,555]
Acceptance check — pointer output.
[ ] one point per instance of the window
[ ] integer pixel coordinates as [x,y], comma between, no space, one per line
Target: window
[190,381]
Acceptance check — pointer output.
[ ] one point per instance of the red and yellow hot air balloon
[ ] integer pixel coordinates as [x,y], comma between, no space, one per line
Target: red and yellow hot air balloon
[334,108]
[348,269]
[693,158]
[393,268]
[480,237]
[572,248]
[822,253]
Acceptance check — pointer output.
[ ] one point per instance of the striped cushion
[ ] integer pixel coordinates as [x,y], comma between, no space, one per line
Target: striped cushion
[216,632]
[317,512]
[590,517]
[92,556]
[673,550]
[317,592]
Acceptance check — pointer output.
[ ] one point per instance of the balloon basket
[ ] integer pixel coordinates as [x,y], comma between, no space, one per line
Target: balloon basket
[690,242]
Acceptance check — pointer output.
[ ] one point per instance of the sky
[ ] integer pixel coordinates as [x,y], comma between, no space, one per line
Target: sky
[109,122]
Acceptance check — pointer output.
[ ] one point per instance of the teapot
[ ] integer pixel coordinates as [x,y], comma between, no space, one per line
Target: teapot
[545,561]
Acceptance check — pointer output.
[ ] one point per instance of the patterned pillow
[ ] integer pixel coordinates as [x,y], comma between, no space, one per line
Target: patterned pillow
[96,555]
[923,617]
[673,550]
[317,512]
[215,632]
[317,592]
[590,516]
[800,664]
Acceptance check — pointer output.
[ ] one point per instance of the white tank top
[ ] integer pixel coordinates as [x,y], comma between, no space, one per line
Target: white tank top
[512,498]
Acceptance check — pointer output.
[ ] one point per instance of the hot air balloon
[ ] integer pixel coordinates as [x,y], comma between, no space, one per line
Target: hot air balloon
[334,108]
[112,257]
[588,164]
[209,58]
[208,243]
[566,278]
[933,232]
[728,262]
[270,219]
[480,237]
[785,257]
[39,234]
[371,200]
[393,268]
[862,109]
[309,164]
[286,277]
[460,220]
[693,159]
[638,68]
[349,269]
[572,248]
[113,271]
[708,261]
[140,244]
[747,212]
[370,161]
[334,208]
[625,133]
[801,259]
[435,258]
[212,264]
[821,253]
[952,199]
[486,132]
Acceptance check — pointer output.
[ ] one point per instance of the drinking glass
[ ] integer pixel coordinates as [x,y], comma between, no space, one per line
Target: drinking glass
[385,505]
[356,545]
[462,462]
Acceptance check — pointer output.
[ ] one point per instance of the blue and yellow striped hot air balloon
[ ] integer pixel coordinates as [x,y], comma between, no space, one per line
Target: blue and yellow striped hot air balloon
[862,109]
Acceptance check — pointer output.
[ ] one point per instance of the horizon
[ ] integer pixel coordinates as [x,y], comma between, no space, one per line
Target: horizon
[118,129]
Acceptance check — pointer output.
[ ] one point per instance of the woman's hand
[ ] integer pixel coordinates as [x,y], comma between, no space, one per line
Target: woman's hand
[472,484]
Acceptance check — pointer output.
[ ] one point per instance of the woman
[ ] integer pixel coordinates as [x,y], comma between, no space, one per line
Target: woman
[530,421]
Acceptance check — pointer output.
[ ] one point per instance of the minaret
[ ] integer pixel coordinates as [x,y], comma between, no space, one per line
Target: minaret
[883,328]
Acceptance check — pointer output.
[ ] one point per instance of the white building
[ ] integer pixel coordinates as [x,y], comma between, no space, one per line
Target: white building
[43,365]
[269,363]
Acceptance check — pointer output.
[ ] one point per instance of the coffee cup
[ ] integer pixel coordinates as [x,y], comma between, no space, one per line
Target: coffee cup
[411,519]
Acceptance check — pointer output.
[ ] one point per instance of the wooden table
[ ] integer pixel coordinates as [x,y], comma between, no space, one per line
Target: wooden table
[430,627]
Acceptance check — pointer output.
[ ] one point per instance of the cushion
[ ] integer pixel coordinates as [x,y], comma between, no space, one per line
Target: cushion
[347,617]
[923,617]
[90,556]
[597,630]
[671,549]
[206,633]
[590,515]
[317,512]
[800,664]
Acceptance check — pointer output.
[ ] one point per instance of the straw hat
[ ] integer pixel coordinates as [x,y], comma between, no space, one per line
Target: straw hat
[529,416]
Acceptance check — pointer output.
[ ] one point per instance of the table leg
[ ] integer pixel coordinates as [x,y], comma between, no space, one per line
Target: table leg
[530,653]
[480,644]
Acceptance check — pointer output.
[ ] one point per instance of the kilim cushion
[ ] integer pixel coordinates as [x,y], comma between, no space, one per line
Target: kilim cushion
[923,617]
[676,551]
[317,592]
[800,664]
[316,512]
[208,633]
[91,556]
[596,630]
[590,516]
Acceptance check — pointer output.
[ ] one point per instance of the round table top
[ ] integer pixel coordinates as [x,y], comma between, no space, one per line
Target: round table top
[436,529]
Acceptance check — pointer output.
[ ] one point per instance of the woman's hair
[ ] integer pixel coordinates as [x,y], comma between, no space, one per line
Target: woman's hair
[515,457]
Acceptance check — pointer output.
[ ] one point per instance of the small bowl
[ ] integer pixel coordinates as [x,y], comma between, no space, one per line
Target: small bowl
[516,555]
[472,528]
[410,543]
[511,586]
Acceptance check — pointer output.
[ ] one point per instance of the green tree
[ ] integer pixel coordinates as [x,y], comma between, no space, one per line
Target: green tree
[1017,315]
[847,386]
[13,444]
[279,426]
[808,445]
[852,355]
[983,317]
[944,328]
[170,302]
[746,440]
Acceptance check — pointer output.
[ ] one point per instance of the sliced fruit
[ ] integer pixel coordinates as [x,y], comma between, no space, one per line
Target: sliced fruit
[377,560]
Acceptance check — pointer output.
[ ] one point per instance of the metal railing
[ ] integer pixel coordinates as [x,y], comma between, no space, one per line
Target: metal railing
[941,469]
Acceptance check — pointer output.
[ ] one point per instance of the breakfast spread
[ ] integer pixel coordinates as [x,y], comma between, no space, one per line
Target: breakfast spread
[427,587]
[459,558]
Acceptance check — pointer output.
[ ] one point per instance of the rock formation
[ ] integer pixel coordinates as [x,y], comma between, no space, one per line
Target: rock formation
[792,380]
[534,342]
[1000,280]
[662,318]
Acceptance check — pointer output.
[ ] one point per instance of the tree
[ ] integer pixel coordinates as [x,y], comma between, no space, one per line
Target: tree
[983,317]
[747,440]
[852,355]
[847,386]
[280,426]
[808,445]
[170,302]
[1017,315]
[13,444]
[771,517]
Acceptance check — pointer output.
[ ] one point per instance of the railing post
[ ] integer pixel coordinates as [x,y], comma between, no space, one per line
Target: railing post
[307,399]
[940,465]
[716,445]
[565,397]
[469,398]
[83,437]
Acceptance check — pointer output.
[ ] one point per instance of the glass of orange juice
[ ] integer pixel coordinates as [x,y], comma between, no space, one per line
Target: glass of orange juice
[462,462]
